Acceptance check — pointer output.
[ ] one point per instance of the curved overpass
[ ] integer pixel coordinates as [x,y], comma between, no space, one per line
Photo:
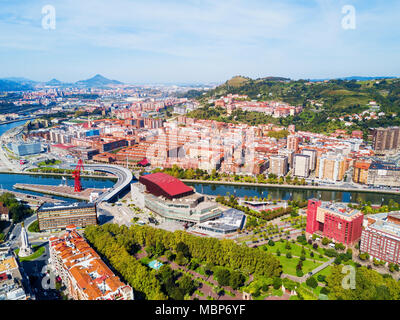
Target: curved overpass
[124,176]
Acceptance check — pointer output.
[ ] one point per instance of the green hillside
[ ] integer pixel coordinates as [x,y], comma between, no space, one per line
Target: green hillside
[320,100]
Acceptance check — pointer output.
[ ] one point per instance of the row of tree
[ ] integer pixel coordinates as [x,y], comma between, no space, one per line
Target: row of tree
[118,243]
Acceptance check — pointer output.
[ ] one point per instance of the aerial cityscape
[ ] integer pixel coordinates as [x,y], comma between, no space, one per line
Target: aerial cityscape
[158,178]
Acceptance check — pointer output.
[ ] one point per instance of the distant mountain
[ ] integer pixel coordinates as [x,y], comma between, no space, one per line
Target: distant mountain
[357,78]
[20,80]
[53,82]
[7,85]
[97,81]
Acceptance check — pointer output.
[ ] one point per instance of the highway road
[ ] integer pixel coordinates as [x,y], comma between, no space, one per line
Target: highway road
[124,176]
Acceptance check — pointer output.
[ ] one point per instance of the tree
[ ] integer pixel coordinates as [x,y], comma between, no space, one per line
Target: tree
[277,283]
[311,282]
[180,258]
[182,247]
[326,241]
[236,279]
[187,285]
[288,255]
[223,276]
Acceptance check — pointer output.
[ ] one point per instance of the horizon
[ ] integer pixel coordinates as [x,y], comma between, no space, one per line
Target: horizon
[159,42]
[22,78]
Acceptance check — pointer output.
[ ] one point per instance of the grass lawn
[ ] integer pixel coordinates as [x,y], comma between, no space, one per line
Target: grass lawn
[324,272]
[289,265]
[296,250]
[37,252]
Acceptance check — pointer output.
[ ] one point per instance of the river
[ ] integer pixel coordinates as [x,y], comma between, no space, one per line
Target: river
[293,194]
[8,126]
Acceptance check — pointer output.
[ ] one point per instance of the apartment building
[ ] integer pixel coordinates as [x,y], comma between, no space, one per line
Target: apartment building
[360,171]
[381,237]
[331,167]
[301,165]
[56,216]
[289,154]
[82,271]
[313,157]
[293,142]
[278,165]
[386,139]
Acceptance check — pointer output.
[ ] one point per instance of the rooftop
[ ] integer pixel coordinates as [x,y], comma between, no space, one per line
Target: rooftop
[49,206]
[91,274]
[340,209]
[163,184]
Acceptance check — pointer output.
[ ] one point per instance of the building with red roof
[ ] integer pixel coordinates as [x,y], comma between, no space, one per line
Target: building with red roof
[162,184]
[172,200]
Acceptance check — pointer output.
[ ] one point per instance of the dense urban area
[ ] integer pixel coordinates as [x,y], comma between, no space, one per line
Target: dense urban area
[254,189]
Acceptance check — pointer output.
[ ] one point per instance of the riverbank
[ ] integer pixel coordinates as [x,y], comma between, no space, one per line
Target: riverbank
[60,175]
[61,191]
[289,186]
[16,120]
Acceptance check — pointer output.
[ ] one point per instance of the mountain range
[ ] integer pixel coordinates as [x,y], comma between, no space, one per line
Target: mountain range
[23,84]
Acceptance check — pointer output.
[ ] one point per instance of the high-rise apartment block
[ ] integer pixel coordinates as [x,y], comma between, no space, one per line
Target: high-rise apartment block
[289,154]
[278,165]
[386,139]
[360,171]
[331,167]
[301,165]
[293,142]
[313,157]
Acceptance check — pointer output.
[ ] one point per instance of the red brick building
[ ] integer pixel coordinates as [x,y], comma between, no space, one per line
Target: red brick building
[335,221]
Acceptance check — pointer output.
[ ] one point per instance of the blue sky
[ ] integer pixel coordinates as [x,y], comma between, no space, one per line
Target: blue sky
[153,41]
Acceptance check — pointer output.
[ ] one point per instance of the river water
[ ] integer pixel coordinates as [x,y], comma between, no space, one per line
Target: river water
[292,194]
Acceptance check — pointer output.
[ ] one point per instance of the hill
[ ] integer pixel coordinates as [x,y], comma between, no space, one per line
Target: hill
[97,81]
[333,95]
[53,82]
[320,101]
[8,85]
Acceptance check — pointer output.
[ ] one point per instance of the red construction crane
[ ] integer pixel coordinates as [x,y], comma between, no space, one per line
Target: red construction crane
[77,176]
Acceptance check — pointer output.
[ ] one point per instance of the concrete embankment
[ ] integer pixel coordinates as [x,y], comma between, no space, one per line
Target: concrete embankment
[288,186]
[62,191]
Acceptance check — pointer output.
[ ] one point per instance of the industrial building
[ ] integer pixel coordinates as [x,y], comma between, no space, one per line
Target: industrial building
[57,216]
